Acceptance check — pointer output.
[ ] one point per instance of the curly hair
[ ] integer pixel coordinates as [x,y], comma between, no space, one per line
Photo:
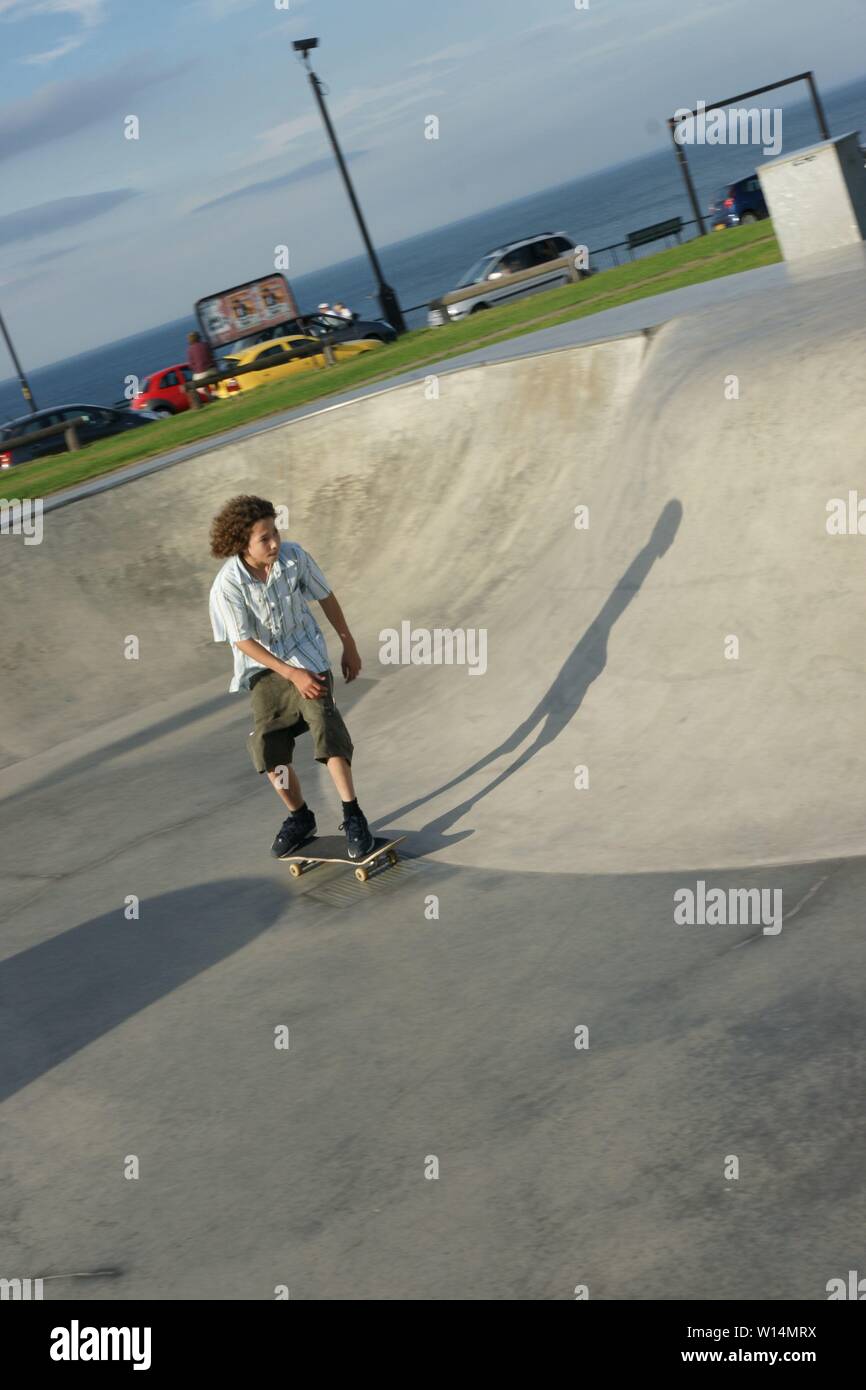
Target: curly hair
[231,527]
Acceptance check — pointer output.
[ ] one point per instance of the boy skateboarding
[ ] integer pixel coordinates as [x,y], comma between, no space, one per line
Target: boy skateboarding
[258,603]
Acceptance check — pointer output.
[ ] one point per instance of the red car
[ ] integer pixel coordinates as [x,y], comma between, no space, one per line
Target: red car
[162,392]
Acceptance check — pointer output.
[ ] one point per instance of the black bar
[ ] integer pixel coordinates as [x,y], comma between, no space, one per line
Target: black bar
[209,1338]
[22,380]
[819,109]
[686,173]
[756,92]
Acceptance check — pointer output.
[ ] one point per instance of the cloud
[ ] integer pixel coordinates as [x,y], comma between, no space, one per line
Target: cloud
[387,115]
[44,218]
[380,105]
[12,277]
[53,255]
[64,47]
[62,108]
[588,25]
[454,54]
[279,137]
[306,171]
[220,9]
[87,12]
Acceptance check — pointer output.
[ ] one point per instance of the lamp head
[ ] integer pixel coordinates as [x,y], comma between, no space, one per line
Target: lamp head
[303,47]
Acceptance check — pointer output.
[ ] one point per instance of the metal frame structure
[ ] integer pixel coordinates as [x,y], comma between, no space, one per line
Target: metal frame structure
[673,122]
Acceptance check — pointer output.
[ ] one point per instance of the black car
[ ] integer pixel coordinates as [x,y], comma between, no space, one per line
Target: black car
[99,422]
[319,326]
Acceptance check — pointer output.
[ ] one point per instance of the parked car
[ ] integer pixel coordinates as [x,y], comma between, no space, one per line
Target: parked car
[318,326]
[162,393]
[313,359]
[527,254]
[739,203]
[99,423]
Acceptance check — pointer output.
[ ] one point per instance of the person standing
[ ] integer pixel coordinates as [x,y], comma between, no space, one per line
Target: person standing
[259,603]
[199,358]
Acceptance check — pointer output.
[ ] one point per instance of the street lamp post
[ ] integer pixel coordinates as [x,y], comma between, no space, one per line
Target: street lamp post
[387,296]
[22,380]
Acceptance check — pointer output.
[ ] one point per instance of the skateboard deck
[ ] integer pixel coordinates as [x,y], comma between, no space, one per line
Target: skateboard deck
[331,849]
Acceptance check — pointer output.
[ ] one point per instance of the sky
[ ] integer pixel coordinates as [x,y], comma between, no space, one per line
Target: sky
[102,235]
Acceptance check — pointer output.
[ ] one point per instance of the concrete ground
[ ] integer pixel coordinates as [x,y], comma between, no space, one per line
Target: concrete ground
[671,695]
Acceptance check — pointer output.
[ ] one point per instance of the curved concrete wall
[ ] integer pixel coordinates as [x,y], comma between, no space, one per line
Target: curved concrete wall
[606,647]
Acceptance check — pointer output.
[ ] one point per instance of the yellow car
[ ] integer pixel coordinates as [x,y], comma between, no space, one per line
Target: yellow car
[232,385]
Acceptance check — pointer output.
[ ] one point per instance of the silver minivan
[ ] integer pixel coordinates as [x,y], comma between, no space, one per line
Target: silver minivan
[531,252]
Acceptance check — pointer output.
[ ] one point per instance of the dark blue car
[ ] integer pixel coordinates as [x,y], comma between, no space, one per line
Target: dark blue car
[739,203]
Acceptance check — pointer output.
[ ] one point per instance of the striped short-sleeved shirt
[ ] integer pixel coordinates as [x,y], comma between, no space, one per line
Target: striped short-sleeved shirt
[273,613]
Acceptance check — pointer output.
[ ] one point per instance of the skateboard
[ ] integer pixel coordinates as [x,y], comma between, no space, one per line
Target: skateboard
[325,849]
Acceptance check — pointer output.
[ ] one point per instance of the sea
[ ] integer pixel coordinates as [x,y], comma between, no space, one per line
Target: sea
[597,210]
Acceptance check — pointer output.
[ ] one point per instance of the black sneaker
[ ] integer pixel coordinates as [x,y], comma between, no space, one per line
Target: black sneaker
[359,840]
[295,831]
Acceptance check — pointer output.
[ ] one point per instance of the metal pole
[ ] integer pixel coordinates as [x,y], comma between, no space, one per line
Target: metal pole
[819,110]
[387,296]
[22,380]
[684,166]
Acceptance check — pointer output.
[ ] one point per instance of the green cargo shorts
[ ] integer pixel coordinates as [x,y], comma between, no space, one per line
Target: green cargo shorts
[280,714]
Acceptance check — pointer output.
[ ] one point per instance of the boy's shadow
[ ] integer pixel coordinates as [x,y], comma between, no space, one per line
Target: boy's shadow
[560,702]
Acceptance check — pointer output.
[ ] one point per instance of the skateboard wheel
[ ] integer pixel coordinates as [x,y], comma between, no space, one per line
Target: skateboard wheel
[393,856]
[361,875]
[295,870]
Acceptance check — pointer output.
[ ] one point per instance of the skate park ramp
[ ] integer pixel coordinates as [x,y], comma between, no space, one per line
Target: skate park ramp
[151,947]
[699,648]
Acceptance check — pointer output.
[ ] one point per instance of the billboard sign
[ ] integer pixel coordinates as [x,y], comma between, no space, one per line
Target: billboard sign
[245,309]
